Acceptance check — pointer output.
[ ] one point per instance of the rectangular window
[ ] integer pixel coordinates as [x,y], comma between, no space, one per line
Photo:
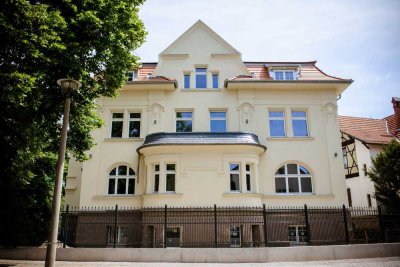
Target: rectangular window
[299,122]
[235,236]
[131,76]
[173,236]
[184,121]
[170,177]
[121,234]
[215,80]
[282,75]
[289,75]
[156,177]
[234,173]
[186,81]
[369,200]
[349,197]
[217,121]
[298,234]
[277,123]
[201,78]
[117,124]
[134,124]
[278,75]
[248,177]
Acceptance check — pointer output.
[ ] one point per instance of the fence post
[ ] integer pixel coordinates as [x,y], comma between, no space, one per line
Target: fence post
[307,224]
[115,225]
[165,226]
[66,226]
[215,227]
[381,225]
[346,227]
[265,226]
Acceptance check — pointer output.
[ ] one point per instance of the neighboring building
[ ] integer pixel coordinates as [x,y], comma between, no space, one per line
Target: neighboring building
[362,140]
[202,127]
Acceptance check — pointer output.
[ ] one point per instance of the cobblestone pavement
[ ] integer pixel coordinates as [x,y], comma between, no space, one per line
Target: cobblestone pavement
[373,262]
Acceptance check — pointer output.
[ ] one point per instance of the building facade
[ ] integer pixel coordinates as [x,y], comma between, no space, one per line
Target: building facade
[202,127]
[362,140]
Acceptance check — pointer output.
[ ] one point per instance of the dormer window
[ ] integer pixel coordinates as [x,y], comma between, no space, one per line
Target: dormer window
[131,75]
[284,75]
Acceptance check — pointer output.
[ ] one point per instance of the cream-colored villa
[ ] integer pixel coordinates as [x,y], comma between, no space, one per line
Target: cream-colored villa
[202,127]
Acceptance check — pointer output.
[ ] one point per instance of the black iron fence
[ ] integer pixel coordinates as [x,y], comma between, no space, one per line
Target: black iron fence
[227,227]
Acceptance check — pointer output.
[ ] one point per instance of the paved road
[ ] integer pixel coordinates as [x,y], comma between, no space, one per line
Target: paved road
[374,262]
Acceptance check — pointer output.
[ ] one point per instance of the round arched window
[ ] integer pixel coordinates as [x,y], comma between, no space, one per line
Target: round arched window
[293,179]
[121,181]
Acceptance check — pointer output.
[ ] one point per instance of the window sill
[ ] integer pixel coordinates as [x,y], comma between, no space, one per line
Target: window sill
[241,194]
[298,196]
[201,90]
[307,138]
[116,196]
[120,139]
[161,195]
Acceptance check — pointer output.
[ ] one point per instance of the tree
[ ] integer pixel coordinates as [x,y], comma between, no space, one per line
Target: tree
[385,173]
[42,41]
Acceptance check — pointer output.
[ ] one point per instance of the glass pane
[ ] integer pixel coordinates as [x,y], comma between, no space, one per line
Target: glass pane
[276,114]
[157,168]
[184,115]
[306,186]
[170,167]
[118,115]
[248,182]
[113,171]
[215,80]
[298,114]
[135,115]
[121,187]
[289,75]
[281,170]
[116,129]
[156,182]
[201,70]
[292,168]
[186,81]
[235,182]
[247,167]
[303,170]
[184,126]
[280,185]
[234,167]
[111,186]
[293,185]
[300,128]
[218,114]
[277,127]
[131,172]
[131,186]
[122,170]
[218,126]
[201,81]
[170,182]
[278,75]
[134,129]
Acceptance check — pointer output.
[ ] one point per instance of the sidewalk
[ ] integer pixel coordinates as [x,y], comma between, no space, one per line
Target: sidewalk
[371,262]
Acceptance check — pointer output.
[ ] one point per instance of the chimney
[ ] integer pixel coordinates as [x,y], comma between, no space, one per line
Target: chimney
[396,107]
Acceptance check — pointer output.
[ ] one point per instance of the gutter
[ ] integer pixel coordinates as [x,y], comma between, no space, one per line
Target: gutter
[288,82]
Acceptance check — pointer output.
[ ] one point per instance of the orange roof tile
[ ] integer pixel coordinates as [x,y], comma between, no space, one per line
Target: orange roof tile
[373,131]
[391,121]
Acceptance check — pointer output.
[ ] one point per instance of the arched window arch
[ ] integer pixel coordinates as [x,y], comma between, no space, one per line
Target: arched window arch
[121,181]
[293,178]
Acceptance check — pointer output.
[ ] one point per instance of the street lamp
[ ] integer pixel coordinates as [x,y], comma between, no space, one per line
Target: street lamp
[69,86]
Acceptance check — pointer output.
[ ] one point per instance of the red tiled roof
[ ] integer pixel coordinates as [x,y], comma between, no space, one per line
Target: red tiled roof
[373,131]
[391,121]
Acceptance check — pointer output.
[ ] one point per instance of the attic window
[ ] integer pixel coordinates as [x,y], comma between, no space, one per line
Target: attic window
[131,75]
[284,75]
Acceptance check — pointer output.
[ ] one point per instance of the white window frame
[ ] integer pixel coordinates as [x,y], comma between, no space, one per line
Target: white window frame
[155,172]
[184,119]
[117,177]
[133,120]
[283,118]
[284,74]
[305,118]
[235,172]
[131,75]
[297,241]
[286,176]
[170,172]
[212,79]
[248,172]
[117,120]
[200,74]
[190,78]
[219,118]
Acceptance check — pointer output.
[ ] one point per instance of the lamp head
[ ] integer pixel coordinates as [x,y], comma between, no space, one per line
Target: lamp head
[69,86]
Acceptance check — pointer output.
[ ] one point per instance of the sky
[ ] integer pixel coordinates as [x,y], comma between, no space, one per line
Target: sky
[358,39]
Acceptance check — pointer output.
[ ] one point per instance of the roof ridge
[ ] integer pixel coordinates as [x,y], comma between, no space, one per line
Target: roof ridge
[360,117]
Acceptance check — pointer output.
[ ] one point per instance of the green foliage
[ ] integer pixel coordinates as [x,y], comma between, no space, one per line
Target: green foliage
[385,173]
[41,42]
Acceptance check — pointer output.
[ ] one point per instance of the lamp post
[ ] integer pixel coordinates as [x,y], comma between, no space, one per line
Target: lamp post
[69,86]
